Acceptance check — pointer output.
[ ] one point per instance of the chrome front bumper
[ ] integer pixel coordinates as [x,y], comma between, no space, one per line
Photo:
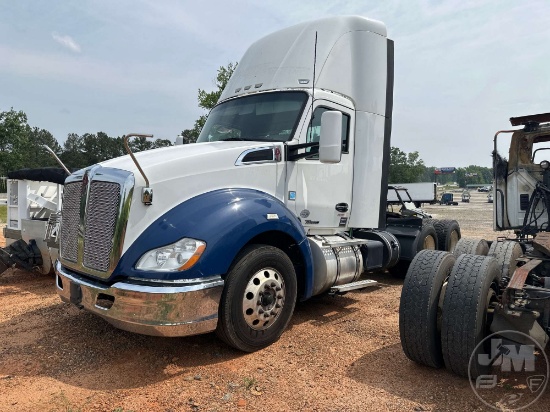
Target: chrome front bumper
[162,310]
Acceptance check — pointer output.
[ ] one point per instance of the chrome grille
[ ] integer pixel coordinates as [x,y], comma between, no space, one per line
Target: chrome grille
[70,216]
[96,206]
[101,216]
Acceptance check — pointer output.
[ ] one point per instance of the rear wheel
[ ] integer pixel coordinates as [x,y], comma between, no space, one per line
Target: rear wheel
[425,240]
[419,310]
[471,247]
[448,234]
[468,306]
[506,254]
[258,298]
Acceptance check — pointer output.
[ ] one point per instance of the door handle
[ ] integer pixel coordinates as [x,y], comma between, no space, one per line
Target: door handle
[342,207]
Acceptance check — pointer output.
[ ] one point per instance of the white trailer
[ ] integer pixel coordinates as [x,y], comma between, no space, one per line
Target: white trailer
[425,192]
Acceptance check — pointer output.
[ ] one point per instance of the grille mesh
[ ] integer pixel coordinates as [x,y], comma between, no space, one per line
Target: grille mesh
[101,214]
[70,216]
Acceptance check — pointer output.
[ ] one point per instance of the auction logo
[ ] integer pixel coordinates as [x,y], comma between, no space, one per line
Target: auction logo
[505,374]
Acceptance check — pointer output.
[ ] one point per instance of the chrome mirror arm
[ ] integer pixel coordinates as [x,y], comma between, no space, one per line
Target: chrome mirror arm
[147,192]
[58,160]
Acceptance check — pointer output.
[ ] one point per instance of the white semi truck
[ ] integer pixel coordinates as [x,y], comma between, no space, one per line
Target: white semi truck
[282,198]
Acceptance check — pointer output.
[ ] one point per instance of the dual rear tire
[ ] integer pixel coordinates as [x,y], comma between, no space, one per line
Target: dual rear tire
[447,231]
[446,308]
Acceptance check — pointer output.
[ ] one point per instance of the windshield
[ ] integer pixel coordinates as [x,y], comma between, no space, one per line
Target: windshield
[271,117]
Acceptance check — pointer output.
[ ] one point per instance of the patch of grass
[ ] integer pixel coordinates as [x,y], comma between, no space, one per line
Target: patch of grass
[3,213]
[249,383]
[60,399]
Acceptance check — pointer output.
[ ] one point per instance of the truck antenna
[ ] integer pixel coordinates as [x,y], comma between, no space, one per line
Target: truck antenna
[314,64]
[313,83]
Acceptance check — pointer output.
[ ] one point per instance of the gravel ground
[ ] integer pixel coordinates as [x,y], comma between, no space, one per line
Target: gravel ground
[339,354]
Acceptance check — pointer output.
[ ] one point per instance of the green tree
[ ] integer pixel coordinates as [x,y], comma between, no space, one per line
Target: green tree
[474,175]
[405,167]
[139,144]
[207,101]
[73,155]
[14,134]
[189,136]
[35,155]
[162,143]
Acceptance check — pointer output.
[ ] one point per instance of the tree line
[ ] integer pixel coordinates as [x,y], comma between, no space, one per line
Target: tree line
[21,145]
[410,168]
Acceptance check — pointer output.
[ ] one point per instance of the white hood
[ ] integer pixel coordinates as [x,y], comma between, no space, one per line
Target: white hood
[178,173]
[168,163]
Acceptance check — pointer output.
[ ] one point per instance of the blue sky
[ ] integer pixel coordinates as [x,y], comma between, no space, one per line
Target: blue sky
[463,68]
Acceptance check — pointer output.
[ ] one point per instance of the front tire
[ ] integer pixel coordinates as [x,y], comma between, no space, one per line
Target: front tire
[258,298]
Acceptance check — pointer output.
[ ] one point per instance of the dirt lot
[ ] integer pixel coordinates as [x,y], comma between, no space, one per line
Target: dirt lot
[339,354]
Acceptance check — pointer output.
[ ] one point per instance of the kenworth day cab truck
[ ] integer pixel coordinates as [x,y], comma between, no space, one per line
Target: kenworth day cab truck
[283,197]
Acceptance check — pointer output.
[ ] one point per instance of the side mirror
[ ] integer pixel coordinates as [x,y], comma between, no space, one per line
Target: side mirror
[330,141]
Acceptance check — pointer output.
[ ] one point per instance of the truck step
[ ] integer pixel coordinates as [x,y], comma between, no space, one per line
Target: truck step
[361,284]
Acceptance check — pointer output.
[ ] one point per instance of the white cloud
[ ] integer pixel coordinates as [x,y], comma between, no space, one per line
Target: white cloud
[67,41]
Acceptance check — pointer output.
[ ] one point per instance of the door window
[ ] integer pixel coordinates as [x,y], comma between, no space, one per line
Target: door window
[314,132]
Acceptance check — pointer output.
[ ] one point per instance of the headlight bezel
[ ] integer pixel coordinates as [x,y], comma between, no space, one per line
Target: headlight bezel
[174,257]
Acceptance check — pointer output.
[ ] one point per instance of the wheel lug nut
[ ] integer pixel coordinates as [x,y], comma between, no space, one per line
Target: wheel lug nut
[261,311]
[273,284]
[266,315]
[278,289]
[259,303]
[261,293]
[279,296]
[278,306]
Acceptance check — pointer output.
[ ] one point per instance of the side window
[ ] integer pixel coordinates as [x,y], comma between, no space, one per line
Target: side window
[314,132]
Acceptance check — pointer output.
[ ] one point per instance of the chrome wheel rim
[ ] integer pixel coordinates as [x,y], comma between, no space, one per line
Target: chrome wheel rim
[263,299]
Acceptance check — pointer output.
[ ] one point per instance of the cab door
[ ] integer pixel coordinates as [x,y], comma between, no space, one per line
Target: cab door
[323,191]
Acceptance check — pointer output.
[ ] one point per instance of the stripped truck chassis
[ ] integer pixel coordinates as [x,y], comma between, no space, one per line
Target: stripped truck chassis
[34,204]
[509,286]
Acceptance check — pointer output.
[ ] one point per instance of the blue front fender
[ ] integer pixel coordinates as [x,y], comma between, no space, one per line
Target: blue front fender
[226,219]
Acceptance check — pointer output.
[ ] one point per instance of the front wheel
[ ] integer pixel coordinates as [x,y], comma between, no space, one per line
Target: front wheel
[258,298]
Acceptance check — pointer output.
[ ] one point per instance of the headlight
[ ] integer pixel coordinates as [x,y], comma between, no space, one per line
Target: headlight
[172,258]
